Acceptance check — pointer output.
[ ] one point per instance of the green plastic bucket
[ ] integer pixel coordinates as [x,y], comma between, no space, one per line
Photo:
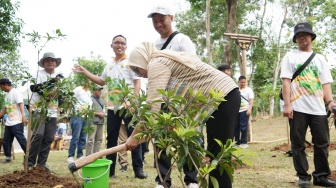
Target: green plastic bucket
[97,174]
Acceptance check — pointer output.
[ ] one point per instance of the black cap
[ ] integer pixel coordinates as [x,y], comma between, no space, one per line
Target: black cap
[303,27]
[5,81]
[224,67]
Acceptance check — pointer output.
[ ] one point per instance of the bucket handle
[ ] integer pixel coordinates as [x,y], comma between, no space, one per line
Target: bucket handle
[95,177]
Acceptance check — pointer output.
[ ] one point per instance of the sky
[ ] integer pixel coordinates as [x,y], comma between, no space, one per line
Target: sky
[89,26]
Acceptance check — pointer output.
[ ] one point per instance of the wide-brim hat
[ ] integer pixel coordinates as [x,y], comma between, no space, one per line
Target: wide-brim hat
[305,28]
[162,8]
[49,55]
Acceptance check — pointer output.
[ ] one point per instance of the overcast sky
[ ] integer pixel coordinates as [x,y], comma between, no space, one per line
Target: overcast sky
[89,26]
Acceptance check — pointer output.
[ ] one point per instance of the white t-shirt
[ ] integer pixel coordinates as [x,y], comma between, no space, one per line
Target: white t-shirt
[12,100]
[246,93]
[117,71]
[180,43]
[83,98]
[42,76]
[306,93]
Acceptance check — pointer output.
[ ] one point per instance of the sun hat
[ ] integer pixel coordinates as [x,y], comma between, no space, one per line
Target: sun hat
[303,27]
[163,9]
[5,81]
[49,55]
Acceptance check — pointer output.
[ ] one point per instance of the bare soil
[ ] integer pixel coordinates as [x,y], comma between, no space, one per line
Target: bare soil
[309,148]
[36,177]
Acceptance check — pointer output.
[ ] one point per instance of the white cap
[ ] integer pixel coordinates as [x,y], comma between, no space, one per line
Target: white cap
[160,9]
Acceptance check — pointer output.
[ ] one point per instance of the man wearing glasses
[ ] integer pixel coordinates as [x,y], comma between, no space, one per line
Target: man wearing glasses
[116,70]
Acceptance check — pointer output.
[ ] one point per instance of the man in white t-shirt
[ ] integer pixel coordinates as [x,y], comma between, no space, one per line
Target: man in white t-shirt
[162,18]
[304,104]
[44,123]
[116,70]
[245,110]
[14,108]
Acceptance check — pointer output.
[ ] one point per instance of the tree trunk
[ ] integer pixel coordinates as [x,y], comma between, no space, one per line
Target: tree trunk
[231,21]
[277,67]
[207,28]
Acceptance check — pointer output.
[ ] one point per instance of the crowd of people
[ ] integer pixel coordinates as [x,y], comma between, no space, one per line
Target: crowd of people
[171,63]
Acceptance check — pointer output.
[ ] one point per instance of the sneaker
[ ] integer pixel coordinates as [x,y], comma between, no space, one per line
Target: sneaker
[235,146]
[123,168]
[159,186]
[113,176]
[140,174]
[192,185]
[243,146]
[7,160]
[70,160]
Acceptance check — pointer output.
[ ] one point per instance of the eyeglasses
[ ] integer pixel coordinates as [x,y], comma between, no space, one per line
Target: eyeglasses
[117,43]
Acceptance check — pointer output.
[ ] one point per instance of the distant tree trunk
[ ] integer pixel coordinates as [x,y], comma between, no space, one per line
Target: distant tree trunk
[277,67]
[232,19]
[207,28]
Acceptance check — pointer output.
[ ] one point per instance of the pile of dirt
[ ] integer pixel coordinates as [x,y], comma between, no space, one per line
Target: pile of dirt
[309,147]
[36,177]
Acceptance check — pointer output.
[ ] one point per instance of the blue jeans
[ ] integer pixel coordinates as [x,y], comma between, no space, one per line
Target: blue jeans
[241,127]
[78,139]
[113,127]
[11,132]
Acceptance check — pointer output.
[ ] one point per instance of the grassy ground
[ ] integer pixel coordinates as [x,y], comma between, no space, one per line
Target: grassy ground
[270,168]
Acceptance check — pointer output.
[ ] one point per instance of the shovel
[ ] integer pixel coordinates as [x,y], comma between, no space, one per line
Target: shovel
[79,163]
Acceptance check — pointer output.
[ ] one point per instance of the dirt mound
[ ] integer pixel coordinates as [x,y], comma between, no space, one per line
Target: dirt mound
[309,147]
[36,177]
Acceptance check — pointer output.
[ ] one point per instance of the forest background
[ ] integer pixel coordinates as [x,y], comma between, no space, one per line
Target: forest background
[205,21]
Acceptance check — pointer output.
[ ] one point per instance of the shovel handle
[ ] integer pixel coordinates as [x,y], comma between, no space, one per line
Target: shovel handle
[79,163]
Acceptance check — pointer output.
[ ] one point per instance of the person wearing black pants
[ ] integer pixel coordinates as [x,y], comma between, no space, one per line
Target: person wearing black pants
[41,140]
[113,127]
[177,72]
[222,127]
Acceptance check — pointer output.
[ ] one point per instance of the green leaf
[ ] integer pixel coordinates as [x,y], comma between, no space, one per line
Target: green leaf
[214,182]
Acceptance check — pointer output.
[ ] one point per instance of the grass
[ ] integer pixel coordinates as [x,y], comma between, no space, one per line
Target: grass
[269,169]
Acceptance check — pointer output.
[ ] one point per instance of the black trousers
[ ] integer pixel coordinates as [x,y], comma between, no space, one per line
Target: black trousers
[113,128]
[41,139]
[222,127]
[320,137]
[164,166]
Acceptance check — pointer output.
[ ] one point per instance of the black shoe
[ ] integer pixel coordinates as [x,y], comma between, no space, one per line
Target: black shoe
[46,169]
[303,183]
[324,182]
[140,174]
[123,168]
[30,165]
